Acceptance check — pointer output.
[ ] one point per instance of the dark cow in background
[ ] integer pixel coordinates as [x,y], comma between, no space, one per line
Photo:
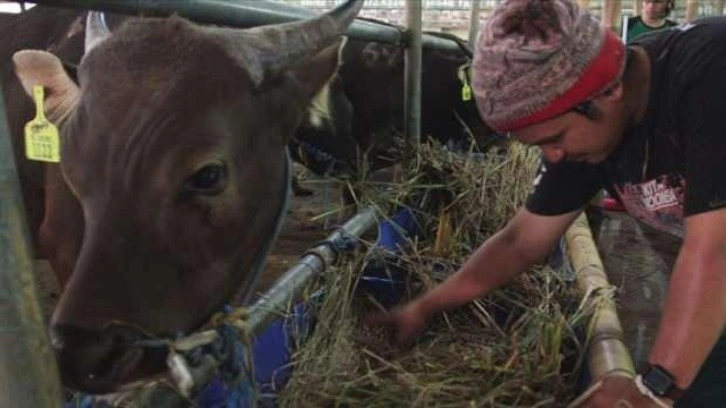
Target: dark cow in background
[363,110]
[173,169]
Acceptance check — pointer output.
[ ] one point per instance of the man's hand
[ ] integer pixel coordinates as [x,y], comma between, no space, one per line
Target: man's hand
[617,391]
[407,322]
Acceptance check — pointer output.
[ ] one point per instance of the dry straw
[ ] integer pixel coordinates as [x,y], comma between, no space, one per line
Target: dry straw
[516,347]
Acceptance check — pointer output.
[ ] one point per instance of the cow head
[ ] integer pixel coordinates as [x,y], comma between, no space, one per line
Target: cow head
[173,143]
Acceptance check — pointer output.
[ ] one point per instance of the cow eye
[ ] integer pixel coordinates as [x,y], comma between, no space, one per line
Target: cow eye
[210,179]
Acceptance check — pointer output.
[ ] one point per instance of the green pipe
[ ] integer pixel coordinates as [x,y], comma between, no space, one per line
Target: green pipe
[243,14]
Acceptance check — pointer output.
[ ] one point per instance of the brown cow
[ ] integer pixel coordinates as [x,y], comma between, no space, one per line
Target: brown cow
[172,174]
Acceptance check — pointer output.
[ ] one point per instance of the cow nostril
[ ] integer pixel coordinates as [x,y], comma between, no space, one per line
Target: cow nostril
[95,360]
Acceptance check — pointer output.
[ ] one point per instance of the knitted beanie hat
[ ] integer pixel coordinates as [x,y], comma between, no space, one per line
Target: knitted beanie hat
[536,59]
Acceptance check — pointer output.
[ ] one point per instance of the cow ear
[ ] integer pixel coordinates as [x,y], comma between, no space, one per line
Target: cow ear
[35,67]
[313,74]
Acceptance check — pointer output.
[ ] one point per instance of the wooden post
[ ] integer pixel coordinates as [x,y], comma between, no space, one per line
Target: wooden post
[638,7]
[691,10]
[611,14]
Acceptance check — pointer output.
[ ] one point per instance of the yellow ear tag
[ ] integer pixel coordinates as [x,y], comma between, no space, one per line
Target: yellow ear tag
[466,93]
[41,137]
[465,88]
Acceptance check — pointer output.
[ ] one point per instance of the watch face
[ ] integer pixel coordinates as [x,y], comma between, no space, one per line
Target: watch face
[658,381]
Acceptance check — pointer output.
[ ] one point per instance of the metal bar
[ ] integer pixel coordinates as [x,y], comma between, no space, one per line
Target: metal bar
[290,286]
[474,22]
[243,14]
[413,74]
[28,372]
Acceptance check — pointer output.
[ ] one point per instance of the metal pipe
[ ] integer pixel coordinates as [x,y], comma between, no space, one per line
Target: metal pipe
[474,22]
[290,286]
[244,14]
[28,372]
[412,78]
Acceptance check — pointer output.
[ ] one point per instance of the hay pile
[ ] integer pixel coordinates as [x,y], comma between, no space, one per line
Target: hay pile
[515,347]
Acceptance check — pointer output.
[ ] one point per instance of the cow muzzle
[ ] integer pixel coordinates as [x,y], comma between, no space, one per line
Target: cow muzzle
[101,361]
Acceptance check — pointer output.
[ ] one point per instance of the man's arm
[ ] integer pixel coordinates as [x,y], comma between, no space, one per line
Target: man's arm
[527,239]
[695,309]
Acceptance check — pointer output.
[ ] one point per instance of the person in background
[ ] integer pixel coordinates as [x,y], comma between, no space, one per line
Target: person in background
[645,121]
[654,18]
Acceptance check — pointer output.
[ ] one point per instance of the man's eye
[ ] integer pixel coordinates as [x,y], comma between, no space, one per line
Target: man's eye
[209,180]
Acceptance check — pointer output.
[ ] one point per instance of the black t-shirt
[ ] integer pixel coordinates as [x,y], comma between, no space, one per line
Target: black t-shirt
[674,162]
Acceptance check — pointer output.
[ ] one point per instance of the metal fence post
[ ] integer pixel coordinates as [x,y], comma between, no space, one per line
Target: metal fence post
[413,73]
[28,372]
[474,22]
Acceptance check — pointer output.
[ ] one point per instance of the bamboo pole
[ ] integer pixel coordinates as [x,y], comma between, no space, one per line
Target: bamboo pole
[691,10]
[606,352]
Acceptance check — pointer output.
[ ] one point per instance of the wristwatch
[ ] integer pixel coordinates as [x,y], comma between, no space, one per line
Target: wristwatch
[661,382]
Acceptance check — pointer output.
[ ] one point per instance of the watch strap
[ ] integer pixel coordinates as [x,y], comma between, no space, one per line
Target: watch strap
[661,382]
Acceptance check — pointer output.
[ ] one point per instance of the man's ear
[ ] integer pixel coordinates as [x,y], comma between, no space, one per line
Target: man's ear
[614,93]
[35,67]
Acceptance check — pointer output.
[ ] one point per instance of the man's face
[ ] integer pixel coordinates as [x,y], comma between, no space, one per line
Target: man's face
[655,9]
[575,137]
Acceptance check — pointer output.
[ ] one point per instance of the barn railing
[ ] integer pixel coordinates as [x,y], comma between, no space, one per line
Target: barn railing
[243,14]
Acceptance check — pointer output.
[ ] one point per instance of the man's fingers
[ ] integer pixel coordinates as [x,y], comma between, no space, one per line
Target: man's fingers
[378,319]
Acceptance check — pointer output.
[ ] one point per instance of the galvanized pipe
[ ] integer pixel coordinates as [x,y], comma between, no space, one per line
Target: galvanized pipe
[413,74]
[290,286]
[474,22]
[28,372]
[243,14]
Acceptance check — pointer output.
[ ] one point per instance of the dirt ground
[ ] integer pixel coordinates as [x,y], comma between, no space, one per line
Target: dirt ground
[299,232]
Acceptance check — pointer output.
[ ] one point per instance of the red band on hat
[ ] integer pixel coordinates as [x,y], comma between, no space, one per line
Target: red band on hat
[601,72]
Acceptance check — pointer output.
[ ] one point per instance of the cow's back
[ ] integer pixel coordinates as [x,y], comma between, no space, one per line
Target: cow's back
[373,81]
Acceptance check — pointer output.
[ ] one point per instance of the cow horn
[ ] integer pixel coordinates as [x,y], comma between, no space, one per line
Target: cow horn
[306,37]
[276,47]
[96,30]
